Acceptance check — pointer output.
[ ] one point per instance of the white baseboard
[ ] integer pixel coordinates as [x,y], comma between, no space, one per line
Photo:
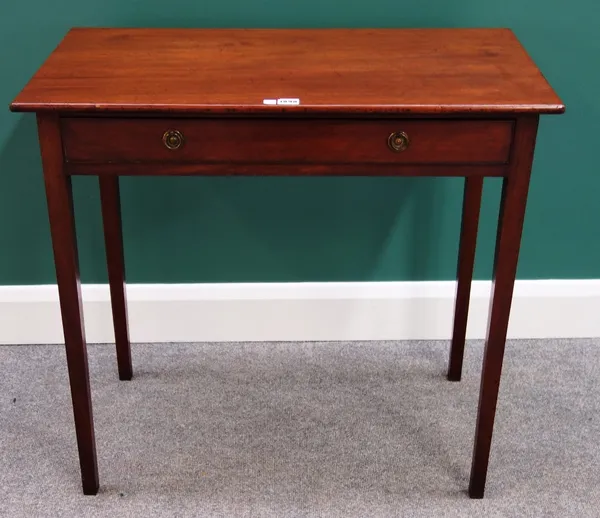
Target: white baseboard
[301,311]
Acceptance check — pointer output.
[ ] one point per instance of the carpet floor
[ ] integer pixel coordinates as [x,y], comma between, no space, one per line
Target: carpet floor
[360,429]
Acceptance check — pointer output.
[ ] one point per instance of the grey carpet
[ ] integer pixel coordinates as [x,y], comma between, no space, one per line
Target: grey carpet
[302,429]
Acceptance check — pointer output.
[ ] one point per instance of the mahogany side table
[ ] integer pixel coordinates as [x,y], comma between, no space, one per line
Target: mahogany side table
[405,102]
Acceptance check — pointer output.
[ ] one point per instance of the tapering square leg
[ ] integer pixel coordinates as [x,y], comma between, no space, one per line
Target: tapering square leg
[464,275]
[62,227]
[510,225]
[113,239]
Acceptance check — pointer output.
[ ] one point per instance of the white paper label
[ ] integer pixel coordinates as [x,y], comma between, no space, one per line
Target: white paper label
[289,101]
[269,101]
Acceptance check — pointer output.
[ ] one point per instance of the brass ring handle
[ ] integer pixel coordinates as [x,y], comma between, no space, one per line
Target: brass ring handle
[398,141]
[173,139]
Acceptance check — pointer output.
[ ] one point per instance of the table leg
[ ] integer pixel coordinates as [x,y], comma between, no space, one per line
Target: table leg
[510,224]
[113,238]
[464,276]
[62,228]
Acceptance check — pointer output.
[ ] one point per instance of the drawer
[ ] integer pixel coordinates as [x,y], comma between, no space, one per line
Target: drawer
[285,141]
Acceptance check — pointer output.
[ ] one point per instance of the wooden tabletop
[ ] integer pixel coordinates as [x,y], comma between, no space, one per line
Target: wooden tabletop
[354,71]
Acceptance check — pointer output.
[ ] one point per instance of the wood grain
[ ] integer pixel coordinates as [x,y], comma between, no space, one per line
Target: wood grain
[508,241]
[359,71]
[62,228]
[268,141]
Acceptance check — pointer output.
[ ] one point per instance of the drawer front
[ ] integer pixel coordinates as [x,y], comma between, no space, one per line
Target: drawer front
[278,141]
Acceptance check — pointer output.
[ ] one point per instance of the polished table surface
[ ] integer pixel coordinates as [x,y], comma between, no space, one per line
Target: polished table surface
[402,102]
[343,71]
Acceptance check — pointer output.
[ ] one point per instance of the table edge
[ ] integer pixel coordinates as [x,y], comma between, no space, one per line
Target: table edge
[224,109]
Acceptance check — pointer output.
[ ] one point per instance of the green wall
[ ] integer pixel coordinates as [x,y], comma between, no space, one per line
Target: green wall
[289,229]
